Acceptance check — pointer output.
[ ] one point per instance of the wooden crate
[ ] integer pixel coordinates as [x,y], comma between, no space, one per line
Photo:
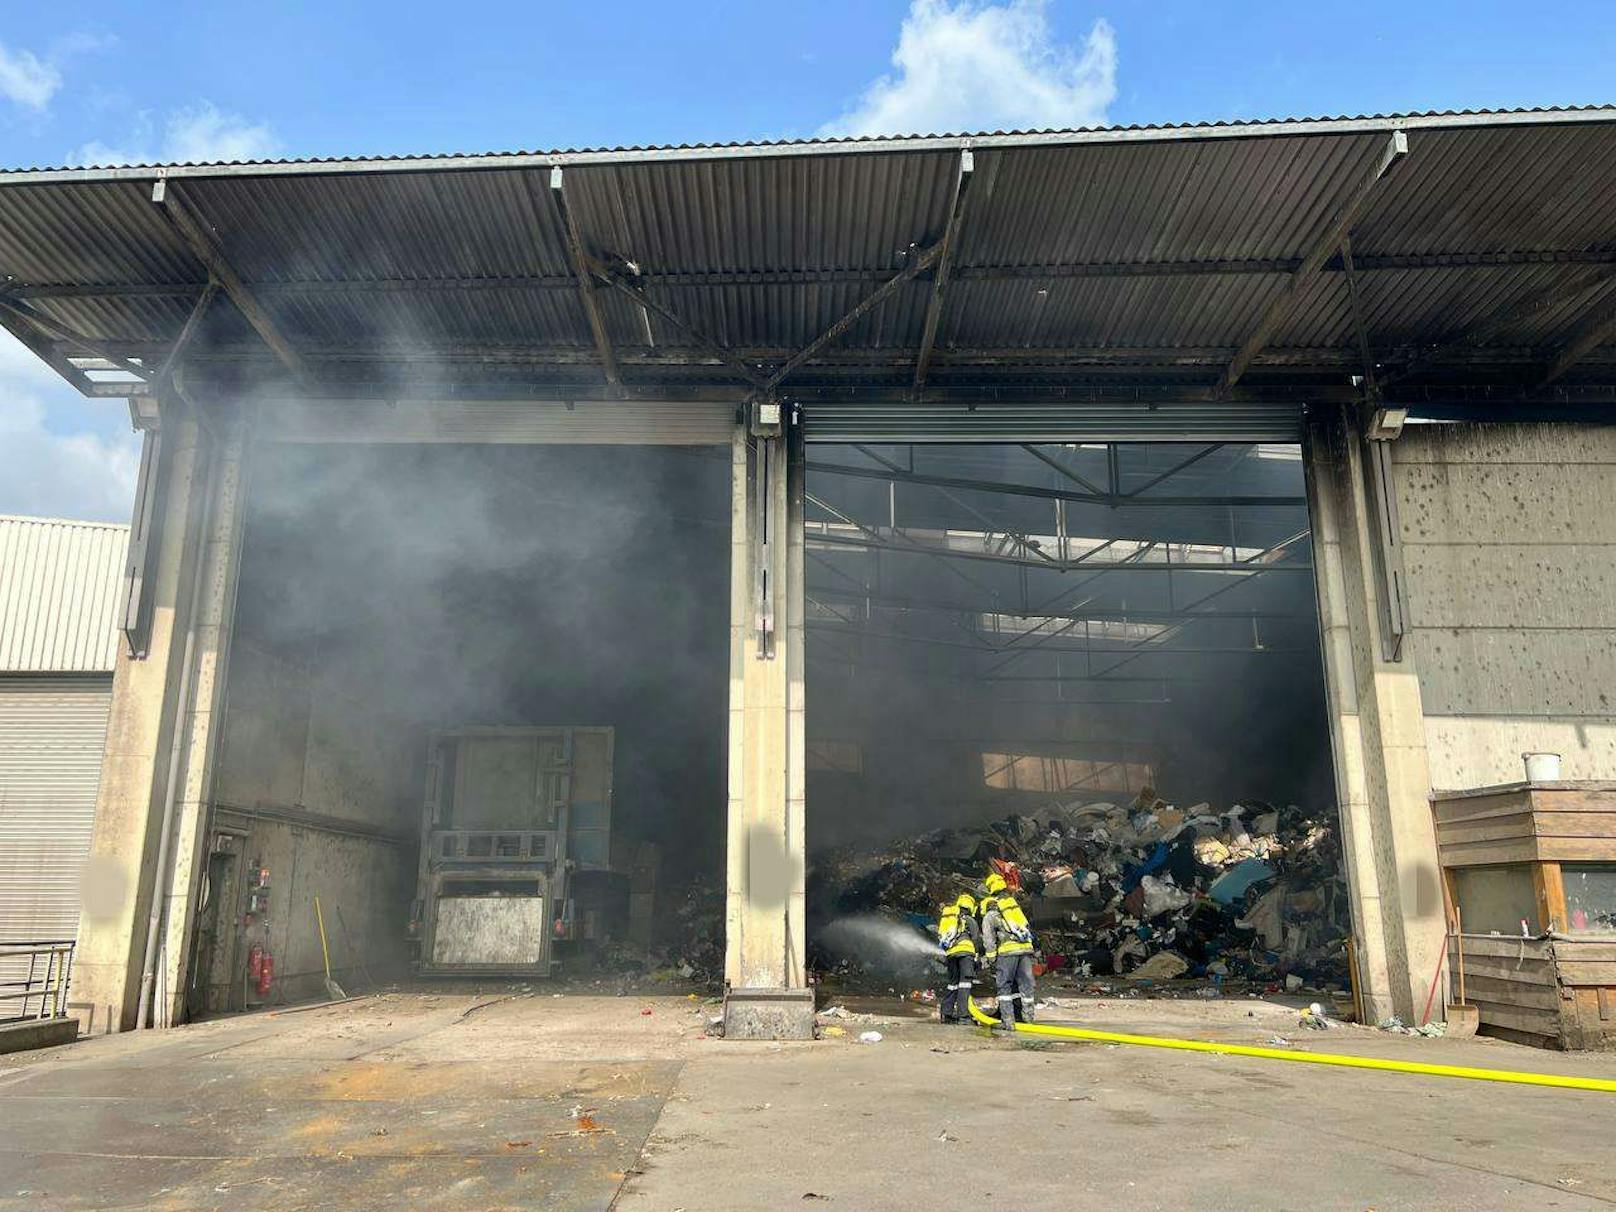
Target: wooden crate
[1554,989]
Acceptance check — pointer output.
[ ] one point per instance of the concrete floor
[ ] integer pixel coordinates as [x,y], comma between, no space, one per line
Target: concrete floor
[459,1100]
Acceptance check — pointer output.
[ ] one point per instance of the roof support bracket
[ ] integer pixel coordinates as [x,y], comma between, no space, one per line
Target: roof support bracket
[586,281]
[198,234]
[920,260]
[626,282]
[945,266]
[1324,248]
[1595,327]
[44,323]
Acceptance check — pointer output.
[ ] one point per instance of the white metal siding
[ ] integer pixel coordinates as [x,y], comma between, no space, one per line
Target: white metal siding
[59,589]
[52,733]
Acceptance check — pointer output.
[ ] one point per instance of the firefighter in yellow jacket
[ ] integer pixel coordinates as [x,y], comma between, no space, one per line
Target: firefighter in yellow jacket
[958,935]
[1007,944]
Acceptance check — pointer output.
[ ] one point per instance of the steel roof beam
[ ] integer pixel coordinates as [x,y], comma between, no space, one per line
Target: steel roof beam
[945,265]
[1595,327]
[709,347]
[1400,262]
[863,541]
[1048,494]
[585,279]
[47,324]
[1325,247]
[204,244]
[920,260]
[48,352]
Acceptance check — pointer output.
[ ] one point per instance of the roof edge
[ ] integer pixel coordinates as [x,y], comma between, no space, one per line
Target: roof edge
[1264,128]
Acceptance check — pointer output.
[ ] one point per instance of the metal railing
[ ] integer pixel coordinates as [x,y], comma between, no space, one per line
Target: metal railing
[33,978]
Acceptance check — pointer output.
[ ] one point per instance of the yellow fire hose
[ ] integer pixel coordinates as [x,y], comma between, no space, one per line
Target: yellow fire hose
[1312,1058]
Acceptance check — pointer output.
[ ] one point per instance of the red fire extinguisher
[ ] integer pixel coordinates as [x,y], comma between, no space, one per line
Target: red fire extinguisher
[266,973]
[255,962]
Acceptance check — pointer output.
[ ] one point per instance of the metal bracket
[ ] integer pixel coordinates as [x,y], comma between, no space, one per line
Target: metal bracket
[1390,580]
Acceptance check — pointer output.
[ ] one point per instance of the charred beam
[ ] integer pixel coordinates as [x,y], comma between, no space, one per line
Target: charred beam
[1307,273]
[204,244]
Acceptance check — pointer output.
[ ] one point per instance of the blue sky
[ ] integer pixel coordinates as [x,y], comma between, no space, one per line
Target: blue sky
[96,83]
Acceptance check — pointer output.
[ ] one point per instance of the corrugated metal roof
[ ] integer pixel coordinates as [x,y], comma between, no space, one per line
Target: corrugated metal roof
[1102,256]
[59,587]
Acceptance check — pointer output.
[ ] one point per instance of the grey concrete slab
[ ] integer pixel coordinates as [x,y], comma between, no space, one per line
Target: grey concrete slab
[489,1113]
[934,1117]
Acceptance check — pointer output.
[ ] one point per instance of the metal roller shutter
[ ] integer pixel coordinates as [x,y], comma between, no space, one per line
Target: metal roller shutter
[52,734]
[1052,421]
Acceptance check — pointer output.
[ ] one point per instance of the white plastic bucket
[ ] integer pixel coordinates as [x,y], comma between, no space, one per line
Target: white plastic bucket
[1542,767]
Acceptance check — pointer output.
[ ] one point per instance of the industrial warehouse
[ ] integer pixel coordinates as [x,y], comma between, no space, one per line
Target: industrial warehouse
[681,570]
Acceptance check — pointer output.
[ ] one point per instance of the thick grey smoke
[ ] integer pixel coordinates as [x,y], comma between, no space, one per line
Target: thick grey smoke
[512,585]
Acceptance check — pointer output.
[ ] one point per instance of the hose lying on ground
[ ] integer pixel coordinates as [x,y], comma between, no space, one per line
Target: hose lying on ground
[1053,1031]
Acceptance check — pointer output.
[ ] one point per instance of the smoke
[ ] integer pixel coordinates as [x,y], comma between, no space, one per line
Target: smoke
[461,586]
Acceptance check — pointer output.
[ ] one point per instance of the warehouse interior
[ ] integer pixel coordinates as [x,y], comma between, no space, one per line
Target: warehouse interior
[992,630]
[995,631]
[390,591]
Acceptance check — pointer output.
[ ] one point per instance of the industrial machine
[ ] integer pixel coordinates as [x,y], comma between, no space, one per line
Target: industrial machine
[513,818]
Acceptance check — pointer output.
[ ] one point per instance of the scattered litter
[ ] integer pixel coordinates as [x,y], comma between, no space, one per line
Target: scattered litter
[1396,1026]
[833,1032]
[947,1137]
[870,1037]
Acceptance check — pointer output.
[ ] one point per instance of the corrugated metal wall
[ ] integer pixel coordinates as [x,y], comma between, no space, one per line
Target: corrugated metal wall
[52,733]
[59,587]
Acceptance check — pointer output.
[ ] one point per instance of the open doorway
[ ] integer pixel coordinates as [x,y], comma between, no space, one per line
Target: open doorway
[475,722]
[1095,665]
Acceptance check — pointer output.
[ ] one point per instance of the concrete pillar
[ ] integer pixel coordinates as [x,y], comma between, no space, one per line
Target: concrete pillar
[1377,737]
[200,732]
[767,995]
[121,869]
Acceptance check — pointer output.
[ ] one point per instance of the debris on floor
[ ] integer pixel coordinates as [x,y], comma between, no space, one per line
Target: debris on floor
[1251,897]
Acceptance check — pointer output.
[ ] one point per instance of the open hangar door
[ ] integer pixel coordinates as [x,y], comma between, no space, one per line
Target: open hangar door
[1095,660]
[476,707]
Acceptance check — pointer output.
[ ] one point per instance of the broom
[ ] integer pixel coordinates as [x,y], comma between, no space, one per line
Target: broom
[332,989]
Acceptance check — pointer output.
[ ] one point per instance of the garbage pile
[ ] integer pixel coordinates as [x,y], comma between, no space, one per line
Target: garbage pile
[1252,895]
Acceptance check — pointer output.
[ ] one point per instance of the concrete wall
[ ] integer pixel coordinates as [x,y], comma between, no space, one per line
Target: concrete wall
[1509,536]
[325,788]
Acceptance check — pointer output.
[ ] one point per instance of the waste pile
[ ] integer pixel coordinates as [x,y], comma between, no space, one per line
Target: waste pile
[1253,895]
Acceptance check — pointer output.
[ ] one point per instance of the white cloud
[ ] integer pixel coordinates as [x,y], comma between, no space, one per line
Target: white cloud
[972,67]
[199,132]
[27,79]
[85,474]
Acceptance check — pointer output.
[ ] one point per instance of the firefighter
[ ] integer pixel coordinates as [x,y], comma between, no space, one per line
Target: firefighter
[958,934]
[1007,943]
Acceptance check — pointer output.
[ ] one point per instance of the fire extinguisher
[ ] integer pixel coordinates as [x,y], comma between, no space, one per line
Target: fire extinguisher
[255,962]
[266,973]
